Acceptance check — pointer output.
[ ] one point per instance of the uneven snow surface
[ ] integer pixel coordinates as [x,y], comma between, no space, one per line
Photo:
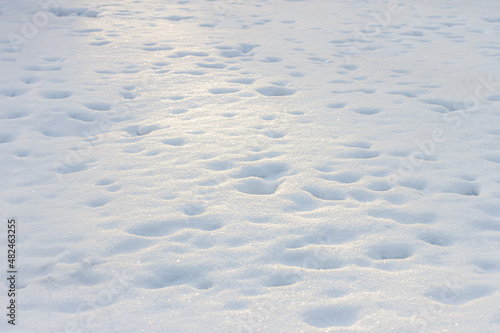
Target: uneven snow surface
[251,166]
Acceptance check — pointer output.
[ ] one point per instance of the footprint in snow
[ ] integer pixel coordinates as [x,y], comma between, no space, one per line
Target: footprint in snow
[346,177]
[264,170]
[362,195]
[272,59]
[486,265]
[128,245]
[219,91]
[488,224]
[158,277]
[128,95]
[282,279]
[13,92]
[211,65]
[358,154]
[313,257]
[242,80]
[254,185]
[192,209]
[6,138]
[444,105]
[367,111]
[98,202]
[175,142]
[402,216]
[458,295]
[100,43]
[67,168]
[323,236]
[271,91]
[332,316]
[77,11]
[328,193]
[137,130]
[170,227]
[177,18]
[154,48]
[55,94]
[98,106]
[182,54]
[338,105]
[436,238]
[390,252]
[40,68]
[274,134]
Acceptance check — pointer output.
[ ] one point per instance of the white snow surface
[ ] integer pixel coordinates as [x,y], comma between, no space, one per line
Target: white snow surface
[251,166]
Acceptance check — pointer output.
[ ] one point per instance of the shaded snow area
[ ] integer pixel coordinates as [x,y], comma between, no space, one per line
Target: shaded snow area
[251,166]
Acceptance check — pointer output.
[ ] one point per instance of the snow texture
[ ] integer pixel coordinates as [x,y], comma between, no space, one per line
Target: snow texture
[252,166]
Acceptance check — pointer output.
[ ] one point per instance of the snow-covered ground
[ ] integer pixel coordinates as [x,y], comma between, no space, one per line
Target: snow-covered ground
[251,166]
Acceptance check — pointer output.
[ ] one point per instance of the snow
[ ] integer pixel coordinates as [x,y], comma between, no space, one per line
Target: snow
[252,166]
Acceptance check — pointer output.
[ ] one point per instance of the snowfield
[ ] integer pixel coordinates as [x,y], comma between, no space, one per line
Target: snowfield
[251,166]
